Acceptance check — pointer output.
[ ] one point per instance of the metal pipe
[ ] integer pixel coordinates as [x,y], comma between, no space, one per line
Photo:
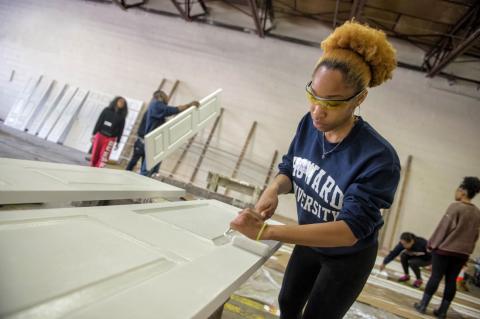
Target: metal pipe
[462,47]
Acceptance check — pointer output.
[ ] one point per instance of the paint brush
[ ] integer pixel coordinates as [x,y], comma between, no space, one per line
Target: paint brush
[253,246]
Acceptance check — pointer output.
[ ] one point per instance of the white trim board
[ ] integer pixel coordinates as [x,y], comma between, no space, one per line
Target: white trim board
[37,182]
[120,262]
[164,140]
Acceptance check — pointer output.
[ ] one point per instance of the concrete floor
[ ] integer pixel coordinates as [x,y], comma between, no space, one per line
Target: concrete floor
[21,145]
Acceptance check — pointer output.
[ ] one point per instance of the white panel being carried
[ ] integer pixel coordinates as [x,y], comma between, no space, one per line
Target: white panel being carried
[80,132]
[57,111]
[37,182]
[46,108]
[170,136]
[130,261]
[15,114]
[57,134]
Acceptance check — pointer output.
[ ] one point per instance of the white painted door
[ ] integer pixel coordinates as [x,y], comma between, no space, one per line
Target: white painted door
[10,86]
[37,182]
[170,136]
[15,114]
[65,121]
[30,109]
[46,108]
[131,261]
[57,112]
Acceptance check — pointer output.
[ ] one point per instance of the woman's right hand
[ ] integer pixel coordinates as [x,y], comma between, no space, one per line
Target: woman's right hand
[268,202]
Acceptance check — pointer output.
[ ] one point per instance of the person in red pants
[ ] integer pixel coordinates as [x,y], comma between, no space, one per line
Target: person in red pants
[108,131]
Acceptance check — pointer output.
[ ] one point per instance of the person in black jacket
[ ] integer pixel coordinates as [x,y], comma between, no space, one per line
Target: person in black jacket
[414,255]
[108,131]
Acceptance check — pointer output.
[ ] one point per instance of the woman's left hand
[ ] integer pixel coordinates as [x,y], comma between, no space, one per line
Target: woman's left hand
[248,223]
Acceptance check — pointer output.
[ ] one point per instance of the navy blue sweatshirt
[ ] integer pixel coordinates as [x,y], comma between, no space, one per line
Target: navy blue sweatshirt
[157,113]
[419,249]
[352,183]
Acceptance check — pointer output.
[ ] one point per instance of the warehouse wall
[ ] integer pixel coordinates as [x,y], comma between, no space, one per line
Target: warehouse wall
[103,48]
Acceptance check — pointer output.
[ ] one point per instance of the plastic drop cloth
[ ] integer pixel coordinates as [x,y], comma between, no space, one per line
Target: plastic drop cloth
[264,286]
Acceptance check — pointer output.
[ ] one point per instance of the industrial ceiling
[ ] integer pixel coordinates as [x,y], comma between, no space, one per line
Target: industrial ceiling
[448,31]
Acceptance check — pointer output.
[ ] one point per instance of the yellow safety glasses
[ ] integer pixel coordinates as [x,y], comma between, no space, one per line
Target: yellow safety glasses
[327,103]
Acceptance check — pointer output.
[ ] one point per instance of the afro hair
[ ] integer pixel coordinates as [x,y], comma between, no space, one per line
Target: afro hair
[362,48]
[471,185]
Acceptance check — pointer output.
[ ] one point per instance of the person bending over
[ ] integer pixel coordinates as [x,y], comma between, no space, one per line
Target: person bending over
[414,254]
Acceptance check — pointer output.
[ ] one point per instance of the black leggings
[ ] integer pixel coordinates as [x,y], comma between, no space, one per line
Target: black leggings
[448,266]
[328,285]
[415,263]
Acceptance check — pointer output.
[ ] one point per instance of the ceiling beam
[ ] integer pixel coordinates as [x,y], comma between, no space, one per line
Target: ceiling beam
[456,52]
[186,9]
[461,37]
[180,10]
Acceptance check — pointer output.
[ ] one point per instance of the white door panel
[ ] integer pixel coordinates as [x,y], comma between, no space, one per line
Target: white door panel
[170,136]
[11,85]
[15,114]
[57,112]
[35,182]
[64,122]
[120,262]
[208,110]
[46,108]
[30,108]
